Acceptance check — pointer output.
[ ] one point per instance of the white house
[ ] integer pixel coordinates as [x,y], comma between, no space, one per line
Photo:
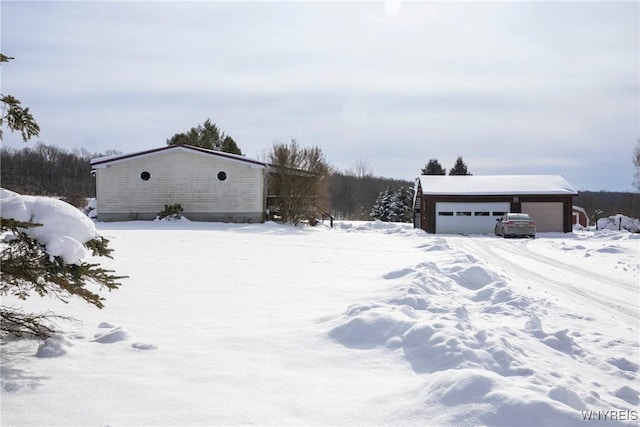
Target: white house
[209,185]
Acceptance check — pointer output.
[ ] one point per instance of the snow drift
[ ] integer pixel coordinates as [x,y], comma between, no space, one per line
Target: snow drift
[64,229]
[364,324]
[620,223]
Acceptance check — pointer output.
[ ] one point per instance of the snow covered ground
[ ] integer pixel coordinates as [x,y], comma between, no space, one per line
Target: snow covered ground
[364,324]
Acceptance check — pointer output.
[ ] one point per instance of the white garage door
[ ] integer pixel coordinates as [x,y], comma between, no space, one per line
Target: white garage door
[468,218]
[548,216]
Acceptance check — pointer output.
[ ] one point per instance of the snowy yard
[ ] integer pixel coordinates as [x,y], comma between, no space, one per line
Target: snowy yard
[364,324]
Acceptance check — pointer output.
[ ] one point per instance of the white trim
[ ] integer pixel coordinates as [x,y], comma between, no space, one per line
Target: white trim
[121,158]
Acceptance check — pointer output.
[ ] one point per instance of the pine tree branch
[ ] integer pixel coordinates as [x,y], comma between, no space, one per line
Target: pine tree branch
[27,268]
[19,324]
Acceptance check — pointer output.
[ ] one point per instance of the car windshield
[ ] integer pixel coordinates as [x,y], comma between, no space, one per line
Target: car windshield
[519,217]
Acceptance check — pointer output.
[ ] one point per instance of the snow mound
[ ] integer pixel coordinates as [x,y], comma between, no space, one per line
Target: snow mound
[568,397]
[55,346]
[426,316]
[486,398]
[143,346]
[436,315]
[373,326]
[64,229]
[623,364]
[378,226]
[473,277]
[106,325]
[619,222]
[113,336]
[628,394]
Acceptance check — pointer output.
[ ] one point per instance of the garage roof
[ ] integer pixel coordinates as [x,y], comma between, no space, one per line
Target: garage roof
[495,185]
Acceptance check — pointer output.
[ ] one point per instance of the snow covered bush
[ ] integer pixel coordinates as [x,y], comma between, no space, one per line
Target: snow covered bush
[393,206]
[171,212]
[43,242]
[619,222]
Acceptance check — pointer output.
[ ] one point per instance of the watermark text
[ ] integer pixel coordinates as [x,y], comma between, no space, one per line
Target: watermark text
[612,415]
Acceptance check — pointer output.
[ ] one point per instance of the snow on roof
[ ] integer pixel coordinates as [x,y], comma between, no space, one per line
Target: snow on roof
[123,157]
[495,185]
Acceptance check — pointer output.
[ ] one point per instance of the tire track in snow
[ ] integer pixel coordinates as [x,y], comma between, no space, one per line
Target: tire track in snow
[489,254]
[590,275]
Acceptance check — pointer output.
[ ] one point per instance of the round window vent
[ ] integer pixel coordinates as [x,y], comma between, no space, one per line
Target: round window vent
[145,176]
[222,175]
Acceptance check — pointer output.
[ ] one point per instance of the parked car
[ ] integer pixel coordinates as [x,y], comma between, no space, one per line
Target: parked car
[515,224]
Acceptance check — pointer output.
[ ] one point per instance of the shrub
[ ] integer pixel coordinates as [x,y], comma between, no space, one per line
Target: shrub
[171,212]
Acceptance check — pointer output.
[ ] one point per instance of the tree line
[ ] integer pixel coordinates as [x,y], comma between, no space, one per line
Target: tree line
[354,192]
[351,194]
[602,204]
[48,170]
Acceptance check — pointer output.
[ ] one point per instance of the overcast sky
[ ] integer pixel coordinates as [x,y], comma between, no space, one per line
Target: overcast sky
[512,87]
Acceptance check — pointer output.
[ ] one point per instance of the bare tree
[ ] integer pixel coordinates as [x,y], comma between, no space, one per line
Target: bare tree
[48,170]
[363,174]
[636,163]
[297,184]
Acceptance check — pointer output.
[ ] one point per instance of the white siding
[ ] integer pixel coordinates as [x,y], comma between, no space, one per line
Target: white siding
[179,176]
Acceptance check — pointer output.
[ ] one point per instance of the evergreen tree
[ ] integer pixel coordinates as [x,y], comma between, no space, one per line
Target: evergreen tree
[396,209]
[229,146]
[380,209]
[27,267]
[459,168]
[433,168]
[394,206]
[404,202]
[14,116]
[206,135]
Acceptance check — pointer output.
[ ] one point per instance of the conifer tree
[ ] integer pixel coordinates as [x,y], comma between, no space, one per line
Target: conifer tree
[459,168]
[228,145]
[393,206]
[206,135]
[433,168]
[14,116]
[404,205]
[27,267]
[381,207]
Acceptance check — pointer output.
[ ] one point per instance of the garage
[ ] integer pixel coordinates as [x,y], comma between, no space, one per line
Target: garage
[468,218]
[470,204]
[548,216]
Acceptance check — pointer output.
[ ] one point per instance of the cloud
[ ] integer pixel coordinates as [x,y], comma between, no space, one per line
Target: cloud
[394,83]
